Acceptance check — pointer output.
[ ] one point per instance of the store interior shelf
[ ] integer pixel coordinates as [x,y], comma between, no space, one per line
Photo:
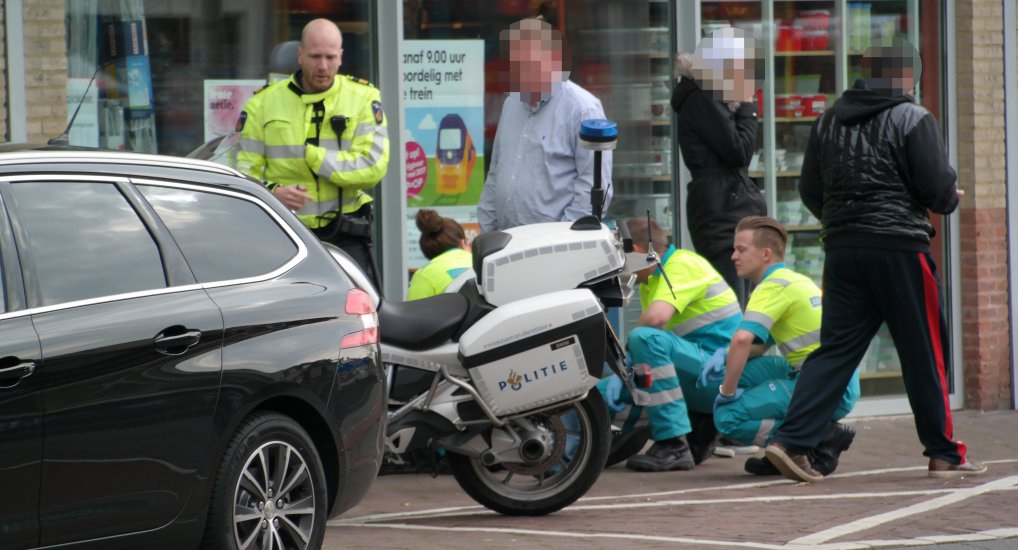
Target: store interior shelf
[804,53]
[794,118]
[815,227]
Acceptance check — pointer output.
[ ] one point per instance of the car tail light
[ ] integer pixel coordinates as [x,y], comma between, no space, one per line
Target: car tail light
[359,303]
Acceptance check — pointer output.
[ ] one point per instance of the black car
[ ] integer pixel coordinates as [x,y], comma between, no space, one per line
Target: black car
[180,359]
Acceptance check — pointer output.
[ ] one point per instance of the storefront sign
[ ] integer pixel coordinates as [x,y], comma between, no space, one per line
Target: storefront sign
[443,97]
[224,101]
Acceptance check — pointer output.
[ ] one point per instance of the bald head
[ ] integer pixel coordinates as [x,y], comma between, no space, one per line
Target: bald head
[320,55]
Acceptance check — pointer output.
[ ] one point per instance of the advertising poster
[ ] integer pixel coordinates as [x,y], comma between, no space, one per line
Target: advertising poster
[224,101]
[443,98]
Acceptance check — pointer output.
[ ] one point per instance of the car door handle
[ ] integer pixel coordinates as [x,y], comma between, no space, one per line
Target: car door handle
[176,343]
[10,376]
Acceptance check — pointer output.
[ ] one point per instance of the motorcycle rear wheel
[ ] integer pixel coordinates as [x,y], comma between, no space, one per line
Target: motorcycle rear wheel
[559,484]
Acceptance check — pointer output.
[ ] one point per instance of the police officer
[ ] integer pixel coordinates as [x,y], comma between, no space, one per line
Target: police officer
[318,140]
[784,309]
[689,312]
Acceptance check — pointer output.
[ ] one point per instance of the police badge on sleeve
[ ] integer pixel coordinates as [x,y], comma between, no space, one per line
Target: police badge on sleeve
[376,108]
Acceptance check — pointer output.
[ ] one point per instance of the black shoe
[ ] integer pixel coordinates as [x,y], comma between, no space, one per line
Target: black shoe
[760,466]
[663,458]
[626,443]
[826,455]
[704,437]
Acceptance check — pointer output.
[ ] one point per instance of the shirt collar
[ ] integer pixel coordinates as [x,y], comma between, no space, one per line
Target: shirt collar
[772,269]
[664,259]
[556,87]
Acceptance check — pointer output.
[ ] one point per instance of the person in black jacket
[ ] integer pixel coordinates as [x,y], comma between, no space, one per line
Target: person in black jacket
[717,128]
[873,166]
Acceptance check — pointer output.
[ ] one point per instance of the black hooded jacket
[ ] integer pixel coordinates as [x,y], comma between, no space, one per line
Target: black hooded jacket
[873,166]
[717,146]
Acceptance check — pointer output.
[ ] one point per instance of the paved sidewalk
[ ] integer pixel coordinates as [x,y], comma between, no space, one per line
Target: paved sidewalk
[879,497]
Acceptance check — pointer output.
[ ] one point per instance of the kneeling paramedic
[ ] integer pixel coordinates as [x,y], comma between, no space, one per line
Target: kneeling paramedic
[784,309]
[317,141]
[689,312]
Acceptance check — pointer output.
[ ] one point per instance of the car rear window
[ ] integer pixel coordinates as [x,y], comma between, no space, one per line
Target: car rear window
[223,237]
[86,241]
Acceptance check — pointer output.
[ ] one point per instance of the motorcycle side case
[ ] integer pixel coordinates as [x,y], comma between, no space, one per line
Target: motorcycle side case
[537,351]
[547,257]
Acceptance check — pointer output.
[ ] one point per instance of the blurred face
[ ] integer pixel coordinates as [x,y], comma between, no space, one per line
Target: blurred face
[750,261]
[320,56]
[533,65]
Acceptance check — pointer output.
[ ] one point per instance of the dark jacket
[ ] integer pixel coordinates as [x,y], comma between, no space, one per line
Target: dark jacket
[873,166]
[717,146]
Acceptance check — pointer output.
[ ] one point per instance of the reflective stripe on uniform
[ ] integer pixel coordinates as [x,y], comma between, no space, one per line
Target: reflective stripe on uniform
[663,397]
[799,342]
[249,145]
[365,129]
[764,433]
[280,152]
[663,372]
[312,208]
[716,289]
[331,166]
[707,318]
[757,317]
[779,282]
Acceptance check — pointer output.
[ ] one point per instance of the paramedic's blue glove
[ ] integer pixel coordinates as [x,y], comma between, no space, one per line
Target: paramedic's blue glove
[613,394]
[713,371]
[726,399]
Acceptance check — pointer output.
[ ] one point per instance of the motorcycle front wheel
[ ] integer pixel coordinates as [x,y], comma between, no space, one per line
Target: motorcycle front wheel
[581,436]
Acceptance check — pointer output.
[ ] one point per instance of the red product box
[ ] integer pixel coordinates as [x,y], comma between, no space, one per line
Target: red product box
[814,105]
[789,106]
[789,37]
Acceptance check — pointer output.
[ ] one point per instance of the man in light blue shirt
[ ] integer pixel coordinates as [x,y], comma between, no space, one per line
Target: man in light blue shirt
[539,172]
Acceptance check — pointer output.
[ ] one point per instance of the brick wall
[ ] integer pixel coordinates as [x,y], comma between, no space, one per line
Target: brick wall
[45,68]
[986,352]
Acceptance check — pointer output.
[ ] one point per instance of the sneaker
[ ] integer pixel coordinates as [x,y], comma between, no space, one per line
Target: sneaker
[728,448]
[626,443]
[794,466]
[663,458]
[944,469]
[826,455]
[704,437]
[760,466]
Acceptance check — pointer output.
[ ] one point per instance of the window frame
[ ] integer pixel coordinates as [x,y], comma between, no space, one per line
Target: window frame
[298,257]
[178,274]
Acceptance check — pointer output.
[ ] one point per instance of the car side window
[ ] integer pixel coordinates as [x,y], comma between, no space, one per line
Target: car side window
[87,241]
[223,237]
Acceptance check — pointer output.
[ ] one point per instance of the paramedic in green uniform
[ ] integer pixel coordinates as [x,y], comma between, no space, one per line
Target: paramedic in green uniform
[444,243]
[784,309]
[685,319]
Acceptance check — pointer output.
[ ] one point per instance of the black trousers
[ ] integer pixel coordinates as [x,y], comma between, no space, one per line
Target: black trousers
[862,288]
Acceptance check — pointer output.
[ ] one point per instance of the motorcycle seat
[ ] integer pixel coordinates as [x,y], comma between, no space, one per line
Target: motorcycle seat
[422,324]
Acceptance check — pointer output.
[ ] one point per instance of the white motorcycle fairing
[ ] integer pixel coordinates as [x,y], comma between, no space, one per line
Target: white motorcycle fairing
[531,353]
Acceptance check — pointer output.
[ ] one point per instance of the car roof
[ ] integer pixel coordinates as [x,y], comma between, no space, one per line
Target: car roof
[11,154]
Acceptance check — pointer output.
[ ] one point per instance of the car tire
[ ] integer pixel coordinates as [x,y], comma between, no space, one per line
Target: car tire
[247,510]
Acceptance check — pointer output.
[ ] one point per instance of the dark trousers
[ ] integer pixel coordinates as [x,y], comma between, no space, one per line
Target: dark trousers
[862,288]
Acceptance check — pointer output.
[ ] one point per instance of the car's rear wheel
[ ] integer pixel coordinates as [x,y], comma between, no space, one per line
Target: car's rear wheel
[270,490]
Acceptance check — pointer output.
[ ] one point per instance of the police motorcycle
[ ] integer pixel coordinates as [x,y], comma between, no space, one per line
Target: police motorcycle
[500,374]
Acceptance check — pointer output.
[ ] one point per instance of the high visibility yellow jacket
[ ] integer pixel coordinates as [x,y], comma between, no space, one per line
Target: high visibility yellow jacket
[440,272]
[277,123]
[785,308]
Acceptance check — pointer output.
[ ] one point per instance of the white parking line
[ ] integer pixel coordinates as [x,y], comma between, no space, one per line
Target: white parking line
[863,524]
